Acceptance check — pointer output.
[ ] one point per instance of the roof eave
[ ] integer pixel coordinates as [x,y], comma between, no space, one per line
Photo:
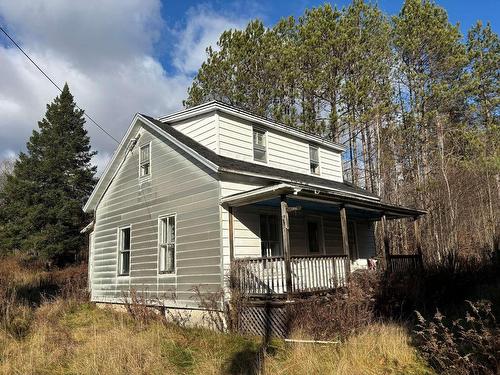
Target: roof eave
[301,191]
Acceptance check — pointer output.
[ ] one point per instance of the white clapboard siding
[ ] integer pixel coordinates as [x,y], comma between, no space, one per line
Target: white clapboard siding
[330,164]
[202,129]
[177,185]
[235,138]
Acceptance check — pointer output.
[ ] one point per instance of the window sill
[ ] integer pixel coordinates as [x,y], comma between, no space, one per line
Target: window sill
[166,274]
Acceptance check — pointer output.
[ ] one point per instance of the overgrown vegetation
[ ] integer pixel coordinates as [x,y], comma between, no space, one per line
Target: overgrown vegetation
[462,346]
[462,337]
[58,332]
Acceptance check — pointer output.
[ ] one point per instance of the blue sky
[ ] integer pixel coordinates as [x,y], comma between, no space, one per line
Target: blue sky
[120,57]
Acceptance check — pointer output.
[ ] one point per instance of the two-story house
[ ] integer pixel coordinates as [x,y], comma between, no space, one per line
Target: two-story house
[189,195]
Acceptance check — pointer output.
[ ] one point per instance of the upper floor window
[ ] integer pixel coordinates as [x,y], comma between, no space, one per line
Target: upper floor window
[167,244]
[145,160]
[314,159]
[259,145]
[124,251]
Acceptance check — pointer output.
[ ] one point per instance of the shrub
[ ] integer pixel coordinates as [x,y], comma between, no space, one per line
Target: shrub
[462,346]
[340,314]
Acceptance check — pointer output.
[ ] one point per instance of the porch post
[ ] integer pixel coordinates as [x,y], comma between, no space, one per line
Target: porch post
[231,233]
[387,251]
[345,236]
[285,227]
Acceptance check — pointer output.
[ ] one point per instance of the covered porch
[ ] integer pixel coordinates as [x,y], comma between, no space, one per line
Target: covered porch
[292,239]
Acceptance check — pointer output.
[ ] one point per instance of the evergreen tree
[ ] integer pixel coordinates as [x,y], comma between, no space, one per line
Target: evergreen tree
[41,203]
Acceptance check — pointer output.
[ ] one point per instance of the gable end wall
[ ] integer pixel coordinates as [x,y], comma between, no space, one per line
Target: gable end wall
[177,185]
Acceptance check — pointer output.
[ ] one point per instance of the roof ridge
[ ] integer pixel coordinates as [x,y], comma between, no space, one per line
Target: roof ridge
[216,104]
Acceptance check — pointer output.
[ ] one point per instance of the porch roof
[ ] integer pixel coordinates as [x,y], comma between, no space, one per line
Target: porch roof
[321,200]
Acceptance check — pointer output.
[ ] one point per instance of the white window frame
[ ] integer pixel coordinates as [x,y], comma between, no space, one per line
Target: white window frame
[161,244]
[120,251]
[311,161]
[141,162]
[266,148]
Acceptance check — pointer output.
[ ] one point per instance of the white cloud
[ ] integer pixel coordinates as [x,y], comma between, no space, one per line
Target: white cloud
[203,29]
[105,51]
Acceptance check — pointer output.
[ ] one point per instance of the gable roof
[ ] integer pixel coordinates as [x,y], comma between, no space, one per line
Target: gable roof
[215,105]
[230,165]
[221,165]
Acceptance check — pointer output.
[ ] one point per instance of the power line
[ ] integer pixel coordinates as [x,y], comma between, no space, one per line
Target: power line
[51,81]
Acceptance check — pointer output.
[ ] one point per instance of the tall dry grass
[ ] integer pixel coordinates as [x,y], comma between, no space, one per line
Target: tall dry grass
[378,349]
[49,328]
[82,339]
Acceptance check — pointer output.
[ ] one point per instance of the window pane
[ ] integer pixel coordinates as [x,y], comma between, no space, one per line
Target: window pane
[125,239]
[314,168]
[145,169]
[170,267]
[259,155]
[171,229]
[162,258]
[275,249]
[125,263]
[258,138]
[313,236]
[144,153]
[313,153]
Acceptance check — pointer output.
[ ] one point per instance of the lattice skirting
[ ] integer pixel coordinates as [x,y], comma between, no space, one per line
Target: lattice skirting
[265,320]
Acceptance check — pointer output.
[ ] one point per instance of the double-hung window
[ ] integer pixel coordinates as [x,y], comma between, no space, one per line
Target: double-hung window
[314,159]
[124,251]
[145,160]
[259,145]
[167,244]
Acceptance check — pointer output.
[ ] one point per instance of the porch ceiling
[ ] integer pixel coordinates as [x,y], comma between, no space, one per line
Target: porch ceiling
[321,200]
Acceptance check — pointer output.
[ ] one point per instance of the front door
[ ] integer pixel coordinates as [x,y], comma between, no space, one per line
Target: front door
[269,235]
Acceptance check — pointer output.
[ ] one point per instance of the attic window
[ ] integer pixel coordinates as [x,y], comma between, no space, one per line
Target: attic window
[259,145]
[314,159]
[144,161]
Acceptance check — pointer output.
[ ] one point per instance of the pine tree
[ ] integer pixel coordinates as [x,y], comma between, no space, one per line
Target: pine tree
[416,107]
[41,203]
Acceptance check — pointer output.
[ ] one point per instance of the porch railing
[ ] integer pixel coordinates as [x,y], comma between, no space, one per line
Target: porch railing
[405,263]
[266,275]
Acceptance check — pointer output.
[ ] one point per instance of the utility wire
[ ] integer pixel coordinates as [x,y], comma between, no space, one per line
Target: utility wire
[51,81]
